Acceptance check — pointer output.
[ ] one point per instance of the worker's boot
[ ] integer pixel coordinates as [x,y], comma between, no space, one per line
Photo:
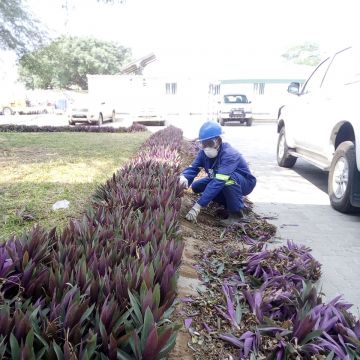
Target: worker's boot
[234,217]
[222,213]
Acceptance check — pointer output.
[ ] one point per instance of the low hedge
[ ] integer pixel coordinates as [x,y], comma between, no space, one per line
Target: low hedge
[103,129]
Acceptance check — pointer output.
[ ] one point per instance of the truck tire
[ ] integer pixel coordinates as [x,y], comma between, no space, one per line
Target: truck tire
[249,122]
[113,116]
[341,175]
[222,122]
[7,111]
[284,159]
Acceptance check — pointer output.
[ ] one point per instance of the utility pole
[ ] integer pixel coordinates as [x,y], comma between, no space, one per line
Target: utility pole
[67,7]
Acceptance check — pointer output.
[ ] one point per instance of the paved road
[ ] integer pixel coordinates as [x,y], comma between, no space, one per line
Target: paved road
[298,200]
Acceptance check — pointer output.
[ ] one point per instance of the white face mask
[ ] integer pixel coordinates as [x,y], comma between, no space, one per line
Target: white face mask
[211,152]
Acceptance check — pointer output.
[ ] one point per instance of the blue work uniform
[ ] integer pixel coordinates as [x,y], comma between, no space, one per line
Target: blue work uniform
[229,178]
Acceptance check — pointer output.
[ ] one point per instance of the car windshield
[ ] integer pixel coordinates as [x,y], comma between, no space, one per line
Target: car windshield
[87,102]
[235,99]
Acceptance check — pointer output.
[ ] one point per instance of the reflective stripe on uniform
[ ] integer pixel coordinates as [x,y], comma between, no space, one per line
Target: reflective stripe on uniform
[225,178]
[222,177]
[230,182]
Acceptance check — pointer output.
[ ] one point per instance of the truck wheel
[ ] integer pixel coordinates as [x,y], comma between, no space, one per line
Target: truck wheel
[284,159]
[222,122]
[113,115]
[249,122]
[100,119]
[7,111]
[341,176]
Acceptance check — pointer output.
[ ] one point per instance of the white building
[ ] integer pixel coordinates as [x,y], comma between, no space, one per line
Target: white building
[171,92]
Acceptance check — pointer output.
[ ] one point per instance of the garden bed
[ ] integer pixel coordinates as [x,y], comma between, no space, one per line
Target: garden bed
[240,298]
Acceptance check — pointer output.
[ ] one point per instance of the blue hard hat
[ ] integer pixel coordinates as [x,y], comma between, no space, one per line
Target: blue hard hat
[209,129]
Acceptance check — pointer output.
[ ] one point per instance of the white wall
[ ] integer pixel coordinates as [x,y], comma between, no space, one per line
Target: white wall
[133,93]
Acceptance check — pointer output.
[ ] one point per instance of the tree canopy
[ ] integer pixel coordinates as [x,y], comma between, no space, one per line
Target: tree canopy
[19,30]
[305,54]
[66,62]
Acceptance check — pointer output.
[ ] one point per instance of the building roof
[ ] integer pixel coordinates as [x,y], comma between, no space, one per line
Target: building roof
[136,67]
[248,70]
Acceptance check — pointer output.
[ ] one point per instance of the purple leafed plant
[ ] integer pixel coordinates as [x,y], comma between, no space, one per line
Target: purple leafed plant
[102,286]
[248,343]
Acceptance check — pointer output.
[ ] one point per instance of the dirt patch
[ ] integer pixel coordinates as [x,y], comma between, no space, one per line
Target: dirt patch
[195,238]
[197,340]
[241,295]
[198,239]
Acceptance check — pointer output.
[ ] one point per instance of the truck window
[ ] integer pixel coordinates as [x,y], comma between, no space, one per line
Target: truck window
[315,80]
[235,99]
[344,69]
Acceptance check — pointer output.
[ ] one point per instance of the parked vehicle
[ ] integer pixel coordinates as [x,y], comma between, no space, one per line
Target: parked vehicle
[149,116]
[10,107]
[90,112]
[235,107]
[322,126]
[24,106]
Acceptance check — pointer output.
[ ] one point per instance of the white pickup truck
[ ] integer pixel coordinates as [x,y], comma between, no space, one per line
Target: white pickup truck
[321,124]
[235,107]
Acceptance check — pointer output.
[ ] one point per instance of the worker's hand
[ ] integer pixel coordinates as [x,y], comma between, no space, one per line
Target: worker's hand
[193,213]
[183,181]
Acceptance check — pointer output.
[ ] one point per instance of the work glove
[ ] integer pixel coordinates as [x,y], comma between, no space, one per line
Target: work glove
[183,181]
[193,213]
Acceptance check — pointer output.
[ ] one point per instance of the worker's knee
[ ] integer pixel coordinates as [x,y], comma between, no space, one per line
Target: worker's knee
[199,186]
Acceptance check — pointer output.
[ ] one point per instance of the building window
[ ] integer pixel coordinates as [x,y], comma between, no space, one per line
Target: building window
[171,88]
[214,89]
[259,88]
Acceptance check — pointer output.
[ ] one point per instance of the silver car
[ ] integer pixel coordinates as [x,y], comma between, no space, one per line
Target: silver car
[90,112]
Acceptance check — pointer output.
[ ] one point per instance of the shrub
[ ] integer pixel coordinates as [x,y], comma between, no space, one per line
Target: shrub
[83,128]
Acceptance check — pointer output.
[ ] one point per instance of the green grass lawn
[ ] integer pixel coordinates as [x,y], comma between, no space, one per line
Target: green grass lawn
[38,169]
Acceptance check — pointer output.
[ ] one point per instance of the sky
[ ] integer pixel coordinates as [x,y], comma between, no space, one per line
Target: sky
[210,37]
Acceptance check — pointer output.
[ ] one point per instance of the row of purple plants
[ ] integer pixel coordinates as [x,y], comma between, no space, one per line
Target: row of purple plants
[103,287]
[270,305]
[48,128]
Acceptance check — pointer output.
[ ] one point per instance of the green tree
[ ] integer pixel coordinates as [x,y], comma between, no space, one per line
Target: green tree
[19,30]
[305,54]
[66,62]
